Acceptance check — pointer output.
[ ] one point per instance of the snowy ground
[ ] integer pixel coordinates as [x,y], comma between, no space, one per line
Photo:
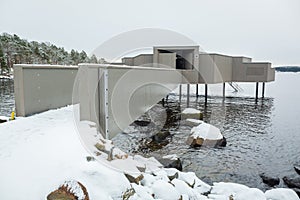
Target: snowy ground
[39,153]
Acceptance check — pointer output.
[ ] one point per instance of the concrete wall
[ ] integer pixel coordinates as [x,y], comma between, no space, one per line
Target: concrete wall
[42,87]
[167,60]
[142,59]
[251,71]
[131,91]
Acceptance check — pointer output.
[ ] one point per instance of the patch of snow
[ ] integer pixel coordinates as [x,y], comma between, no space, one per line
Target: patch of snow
[251,193]
[227,189]
[4,118]
[43,151]
[191,111]
[171,157]
[194,121]
[164,190]
[186,190]
[143,193]
[281,194]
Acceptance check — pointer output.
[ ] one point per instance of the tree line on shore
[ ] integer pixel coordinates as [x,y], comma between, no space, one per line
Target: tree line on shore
[14,50]
[288,69]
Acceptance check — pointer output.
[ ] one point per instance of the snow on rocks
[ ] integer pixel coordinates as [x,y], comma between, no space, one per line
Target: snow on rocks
[28,142]
[281,194]
[206,135]
[191,113]
[193,122]
[164,190]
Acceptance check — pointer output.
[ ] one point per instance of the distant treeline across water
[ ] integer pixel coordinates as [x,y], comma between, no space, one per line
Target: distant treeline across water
[288,69]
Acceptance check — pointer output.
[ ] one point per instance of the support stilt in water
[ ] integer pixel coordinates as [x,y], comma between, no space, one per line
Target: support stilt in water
[188,95]
[256,92]
[224,91]
[197,88]
[180,92]
[205,94]
[263,90]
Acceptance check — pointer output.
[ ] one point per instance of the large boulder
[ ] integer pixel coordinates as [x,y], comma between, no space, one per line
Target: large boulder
[206,135]
[69,190]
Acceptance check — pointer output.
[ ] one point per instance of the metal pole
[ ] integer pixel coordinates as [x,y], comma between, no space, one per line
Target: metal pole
[263,90]
[180,91]
[205,93]
[188,95]
[223,90]
[197,88]
[256,92]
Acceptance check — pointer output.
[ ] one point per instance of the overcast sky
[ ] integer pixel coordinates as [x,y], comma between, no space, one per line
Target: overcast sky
[267,30]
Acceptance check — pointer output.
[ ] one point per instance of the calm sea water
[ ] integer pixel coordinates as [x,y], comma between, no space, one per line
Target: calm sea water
[262,136]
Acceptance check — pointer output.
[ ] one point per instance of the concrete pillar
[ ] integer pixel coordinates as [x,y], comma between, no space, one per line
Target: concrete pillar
[180,92]
[263,90]
[205,93]
[197,92]
[188,95]
[256,91]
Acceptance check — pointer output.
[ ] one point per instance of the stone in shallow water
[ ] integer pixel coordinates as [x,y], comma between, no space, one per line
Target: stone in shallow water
[292,182]
[160,136]
[297,169]
[270,181]
[191,113]
[171,163]
[206,135]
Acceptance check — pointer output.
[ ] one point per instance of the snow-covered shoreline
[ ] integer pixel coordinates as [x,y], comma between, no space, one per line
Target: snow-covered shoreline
[40,152]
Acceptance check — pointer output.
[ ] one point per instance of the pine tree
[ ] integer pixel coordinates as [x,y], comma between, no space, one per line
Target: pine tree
[16,50]
[3,64]
[93,59]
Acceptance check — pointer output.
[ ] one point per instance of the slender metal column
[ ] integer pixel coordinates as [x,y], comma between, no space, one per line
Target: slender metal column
[205,93]
[223,90]
[197,90]
[188,95]
[263,90]
[180,92]
[256,92]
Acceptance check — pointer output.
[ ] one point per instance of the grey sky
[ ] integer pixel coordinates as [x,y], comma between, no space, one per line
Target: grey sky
[267,30]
